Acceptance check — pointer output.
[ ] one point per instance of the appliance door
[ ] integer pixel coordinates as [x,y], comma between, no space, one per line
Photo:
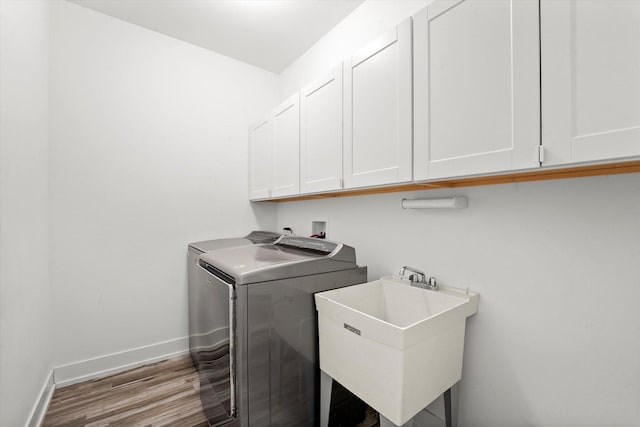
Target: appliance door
[194,291]
[217,345]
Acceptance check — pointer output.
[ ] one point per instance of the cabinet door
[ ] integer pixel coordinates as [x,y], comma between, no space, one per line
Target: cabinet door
[260,160]
[590,80]
[321,134]
[476,88]
[286,152]
[377,111]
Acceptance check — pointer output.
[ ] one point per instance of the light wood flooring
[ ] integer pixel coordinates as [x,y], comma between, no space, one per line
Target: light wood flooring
[161,394]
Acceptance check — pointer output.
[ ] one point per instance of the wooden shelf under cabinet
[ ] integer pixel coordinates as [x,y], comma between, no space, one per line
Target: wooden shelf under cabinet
[535,175]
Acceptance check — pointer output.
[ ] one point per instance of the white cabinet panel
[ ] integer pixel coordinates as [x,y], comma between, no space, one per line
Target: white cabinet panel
[590,80]
[260,160]
[476,87]
[321,134]
[286,153]
[377,99]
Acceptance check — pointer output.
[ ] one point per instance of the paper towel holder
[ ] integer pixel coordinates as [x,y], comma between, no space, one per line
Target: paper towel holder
[455,202]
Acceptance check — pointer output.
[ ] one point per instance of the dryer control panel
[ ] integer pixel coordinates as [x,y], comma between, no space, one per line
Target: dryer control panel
[308,243]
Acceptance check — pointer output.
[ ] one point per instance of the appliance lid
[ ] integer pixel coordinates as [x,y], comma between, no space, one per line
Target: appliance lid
[253,238]
[286,258]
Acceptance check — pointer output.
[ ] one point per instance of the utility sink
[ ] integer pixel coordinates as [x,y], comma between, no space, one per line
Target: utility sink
[396,346]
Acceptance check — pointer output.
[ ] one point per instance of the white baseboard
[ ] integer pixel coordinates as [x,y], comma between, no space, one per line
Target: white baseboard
[113,363]
[36,417]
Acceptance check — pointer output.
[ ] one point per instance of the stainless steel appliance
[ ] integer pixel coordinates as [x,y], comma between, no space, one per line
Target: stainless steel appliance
[260,367]
[197,329]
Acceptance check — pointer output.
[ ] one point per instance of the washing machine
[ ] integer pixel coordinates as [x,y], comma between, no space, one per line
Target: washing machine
[260,367]
[197,314]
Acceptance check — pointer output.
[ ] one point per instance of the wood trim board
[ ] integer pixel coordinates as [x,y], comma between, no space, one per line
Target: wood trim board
[526,176]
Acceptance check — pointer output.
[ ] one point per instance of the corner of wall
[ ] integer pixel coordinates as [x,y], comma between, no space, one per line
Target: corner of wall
[36,417]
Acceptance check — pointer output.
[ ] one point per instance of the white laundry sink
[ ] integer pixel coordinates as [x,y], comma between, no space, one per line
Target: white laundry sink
[396,346]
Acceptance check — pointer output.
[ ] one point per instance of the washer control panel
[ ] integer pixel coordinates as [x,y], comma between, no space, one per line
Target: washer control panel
[308,243]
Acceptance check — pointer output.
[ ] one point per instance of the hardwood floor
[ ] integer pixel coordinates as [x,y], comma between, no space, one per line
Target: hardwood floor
[160,394]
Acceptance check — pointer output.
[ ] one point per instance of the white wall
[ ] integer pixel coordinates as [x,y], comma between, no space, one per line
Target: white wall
[25,295]
[556,339]
[557,336]
[148,153]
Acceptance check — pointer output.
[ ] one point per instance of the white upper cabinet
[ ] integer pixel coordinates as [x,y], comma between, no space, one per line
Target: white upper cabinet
[476,87]
[321,134]
[590,80]
[260,159]
[378,111]
[286,148]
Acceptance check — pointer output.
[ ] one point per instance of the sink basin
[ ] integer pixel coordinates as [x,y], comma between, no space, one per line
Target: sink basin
[396,346]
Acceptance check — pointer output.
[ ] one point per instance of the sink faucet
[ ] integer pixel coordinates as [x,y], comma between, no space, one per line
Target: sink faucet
[418,278]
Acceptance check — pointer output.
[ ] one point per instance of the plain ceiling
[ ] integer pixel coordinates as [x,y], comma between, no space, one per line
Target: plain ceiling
[269,34]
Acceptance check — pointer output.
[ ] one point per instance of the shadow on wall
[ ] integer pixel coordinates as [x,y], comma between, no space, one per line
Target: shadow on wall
[479,376]
[265,215]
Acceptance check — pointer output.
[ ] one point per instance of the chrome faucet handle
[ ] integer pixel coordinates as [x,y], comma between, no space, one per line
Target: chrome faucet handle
[421,277]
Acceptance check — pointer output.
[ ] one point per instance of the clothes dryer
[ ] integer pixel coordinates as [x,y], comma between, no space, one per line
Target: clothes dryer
[261,366]
[198,325]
